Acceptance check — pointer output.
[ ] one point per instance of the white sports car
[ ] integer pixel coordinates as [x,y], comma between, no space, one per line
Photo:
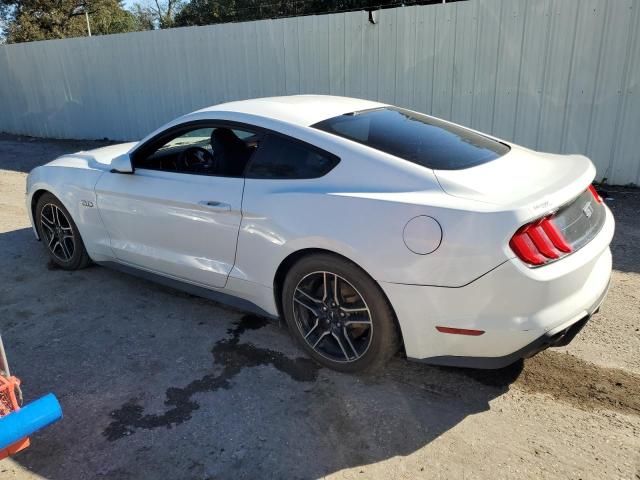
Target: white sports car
[367,227]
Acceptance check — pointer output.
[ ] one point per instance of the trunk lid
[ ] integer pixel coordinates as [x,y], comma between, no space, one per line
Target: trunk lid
[521,178]
[556,211]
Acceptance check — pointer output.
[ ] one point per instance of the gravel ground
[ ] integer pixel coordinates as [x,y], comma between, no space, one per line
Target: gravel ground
[159,384]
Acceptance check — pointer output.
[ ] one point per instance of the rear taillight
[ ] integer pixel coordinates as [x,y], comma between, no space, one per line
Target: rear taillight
[539,242]
[595,193]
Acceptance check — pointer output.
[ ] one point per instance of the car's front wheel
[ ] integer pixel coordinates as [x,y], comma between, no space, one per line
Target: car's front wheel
[59,234]
[339,314]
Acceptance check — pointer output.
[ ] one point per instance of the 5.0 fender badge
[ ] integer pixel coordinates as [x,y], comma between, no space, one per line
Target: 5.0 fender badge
[86,203]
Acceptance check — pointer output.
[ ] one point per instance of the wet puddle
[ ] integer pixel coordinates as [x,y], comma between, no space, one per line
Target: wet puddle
[233,356]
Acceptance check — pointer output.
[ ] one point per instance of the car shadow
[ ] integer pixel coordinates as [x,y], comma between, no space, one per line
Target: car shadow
[154,382]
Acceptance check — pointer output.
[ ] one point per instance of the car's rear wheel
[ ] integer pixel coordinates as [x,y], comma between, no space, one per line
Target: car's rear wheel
[339,314]
[59,234]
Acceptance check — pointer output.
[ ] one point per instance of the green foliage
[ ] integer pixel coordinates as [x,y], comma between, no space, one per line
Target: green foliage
[204,12]
[30,20]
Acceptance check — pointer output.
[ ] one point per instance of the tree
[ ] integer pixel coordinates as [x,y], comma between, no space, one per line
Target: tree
[30,20]
[157,13]
[204,12]
[144,16]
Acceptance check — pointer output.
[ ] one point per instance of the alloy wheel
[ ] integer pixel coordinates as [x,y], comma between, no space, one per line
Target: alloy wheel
[58,233]
[332,316]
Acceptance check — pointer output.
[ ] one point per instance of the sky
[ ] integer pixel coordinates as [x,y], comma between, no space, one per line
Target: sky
[129,3]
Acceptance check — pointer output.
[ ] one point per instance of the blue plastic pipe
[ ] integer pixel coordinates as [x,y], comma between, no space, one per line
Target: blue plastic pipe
[29,419]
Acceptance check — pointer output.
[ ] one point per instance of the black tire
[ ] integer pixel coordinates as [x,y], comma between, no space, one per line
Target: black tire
[59,234]
[311,275]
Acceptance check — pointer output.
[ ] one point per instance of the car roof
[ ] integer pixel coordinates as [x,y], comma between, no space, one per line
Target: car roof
[302,110]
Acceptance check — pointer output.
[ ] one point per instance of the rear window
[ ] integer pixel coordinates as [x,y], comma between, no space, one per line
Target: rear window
[415,137]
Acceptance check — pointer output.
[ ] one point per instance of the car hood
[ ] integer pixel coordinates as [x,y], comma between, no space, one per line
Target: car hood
[521,178]
[96,159]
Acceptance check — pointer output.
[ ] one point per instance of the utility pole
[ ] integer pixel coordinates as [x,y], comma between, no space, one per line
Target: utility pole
[86,16]
[79,10]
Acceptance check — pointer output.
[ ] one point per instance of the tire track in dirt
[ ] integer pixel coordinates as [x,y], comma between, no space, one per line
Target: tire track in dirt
[571,380]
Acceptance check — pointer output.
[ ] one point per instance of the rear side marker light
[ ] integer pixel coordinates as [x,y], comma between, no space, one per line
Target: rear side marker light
[460,331]
[539,242]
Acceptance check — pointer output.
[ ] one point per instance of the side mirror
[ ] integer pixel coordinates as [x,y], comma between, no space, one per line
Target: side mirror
[121,164]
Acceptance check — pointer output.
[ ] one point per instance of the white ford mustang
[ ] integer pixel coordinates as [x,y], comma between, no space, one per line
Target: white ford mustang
[366,227]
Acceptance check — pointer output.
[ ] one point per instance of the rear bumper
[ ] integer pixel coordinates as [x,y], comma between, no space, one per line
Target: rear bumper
[520,310]
[553,338]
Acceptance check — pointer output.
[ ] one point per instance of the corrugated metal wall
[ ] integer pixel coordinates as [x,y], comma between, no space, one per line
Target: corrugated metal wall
[555,75]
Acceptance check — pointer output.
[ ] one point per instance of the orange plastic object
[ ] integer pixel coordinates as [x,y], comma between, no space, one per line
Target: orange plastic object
[9,403]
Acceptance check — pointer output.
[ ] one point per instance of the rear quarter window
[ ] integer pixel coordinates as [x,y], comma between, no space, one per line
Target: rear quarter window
[282,158]
[416,138]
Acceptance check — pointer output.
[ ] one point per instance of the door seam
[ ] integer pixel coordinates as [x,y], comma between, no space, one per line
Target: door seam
[235,255]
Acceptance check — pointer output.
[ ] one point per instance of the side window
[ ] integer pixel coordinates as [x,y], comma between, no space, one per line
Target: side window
[199,137]
[202,150]
[280,158]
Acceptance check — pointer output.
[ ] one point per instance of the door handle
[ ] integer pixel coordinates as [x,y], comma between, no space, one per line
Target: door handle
[214,205]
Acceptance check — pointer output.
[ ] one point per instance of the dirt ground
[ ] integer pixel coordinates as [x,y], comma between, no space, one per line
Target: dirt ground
[159,384]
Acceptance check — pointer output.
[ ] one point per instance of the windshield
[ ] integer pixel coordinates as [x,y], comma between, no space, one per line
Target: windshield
[415,137]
